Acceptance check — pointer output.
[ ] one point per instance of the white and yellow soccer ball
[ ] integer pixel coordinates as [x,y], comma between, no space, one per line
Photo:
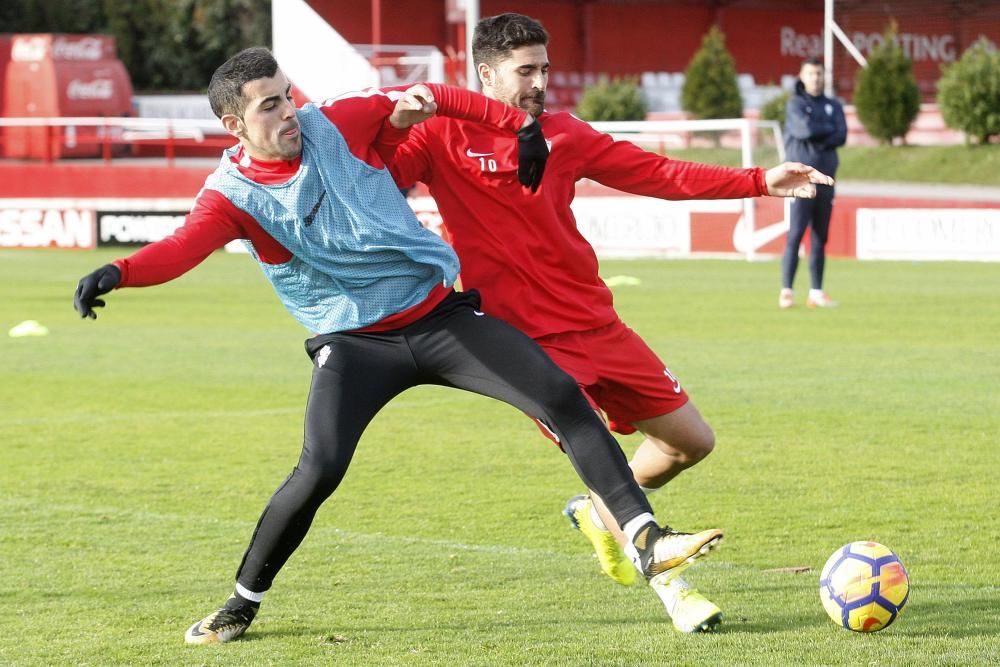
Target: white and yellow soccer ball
[864,586]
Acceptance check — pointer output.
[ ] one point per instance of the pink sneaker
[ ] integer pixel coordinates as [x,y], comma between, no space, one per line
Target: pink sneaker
[785,298]
[820,300]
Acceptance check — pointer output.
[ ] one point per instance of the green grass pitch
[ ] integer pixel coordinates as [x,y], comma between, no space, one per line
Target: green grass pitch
[138,451]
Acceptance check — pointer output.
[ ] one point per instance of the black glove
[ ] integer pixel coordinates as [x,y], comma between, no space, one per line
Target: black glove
[532,152]
[93,285]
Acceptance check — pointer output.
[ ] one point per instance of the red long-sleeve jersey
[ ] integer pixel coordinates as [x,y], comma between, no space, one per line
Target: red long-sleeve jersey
[523,251]
[214,221]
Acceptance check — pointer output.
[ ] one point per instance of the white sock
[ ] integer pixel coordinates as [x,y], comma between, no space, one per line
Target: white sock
[596,518]
[815,293]
[247,594]
[632,526]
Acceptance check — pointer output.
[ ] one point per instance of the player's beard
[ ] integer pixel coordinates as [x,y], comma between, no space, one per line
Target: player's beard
[534,103]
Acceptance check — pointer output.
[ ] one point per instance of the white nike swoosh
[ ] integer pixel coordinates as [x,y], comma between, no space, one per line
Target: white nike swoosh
[470,153]
[744,240]
[677,384]
[478,313]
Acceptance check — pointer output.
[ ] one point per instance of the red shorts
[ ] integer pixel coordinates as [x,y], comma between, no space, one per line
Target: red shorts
[618,374]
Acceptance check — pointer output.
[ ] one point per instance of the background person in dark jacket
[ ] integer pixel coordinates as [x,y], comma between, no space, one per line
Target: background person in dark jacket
[814,128]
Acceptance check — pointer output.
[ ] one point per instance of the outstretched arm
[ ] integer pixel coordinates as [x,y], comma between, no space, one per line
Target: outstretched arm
[212,223]
[624,166]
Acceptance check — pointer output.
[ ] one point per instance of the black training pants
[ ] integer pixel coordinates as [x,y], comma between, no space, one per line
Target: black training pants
[455,345]
[806,214]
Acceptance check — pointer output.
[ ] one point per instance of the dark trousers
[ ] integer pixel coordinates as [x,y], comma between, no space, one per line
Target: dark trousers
[811,214]
[355,375]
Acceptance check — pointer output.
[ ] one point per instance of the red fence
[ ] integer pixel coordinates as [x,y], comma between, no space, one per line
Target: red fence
[49,139]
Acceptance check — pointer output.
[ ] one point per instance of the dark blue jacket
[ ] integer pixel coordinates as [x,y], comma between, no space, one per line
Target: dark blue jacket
[814,128]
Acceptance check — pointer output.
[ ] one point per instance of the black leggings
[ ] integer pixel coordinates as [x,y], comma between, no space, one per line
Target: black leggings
[355,375]
[811,214]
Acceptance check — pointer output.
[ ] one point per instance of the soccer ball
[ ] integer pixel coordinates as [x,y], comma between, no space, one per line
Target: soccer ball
[864,586]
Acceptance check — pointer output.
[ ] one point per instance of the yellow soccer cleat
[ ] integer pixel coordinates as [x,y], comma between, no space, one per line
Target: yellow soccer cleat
[662,553]
[689,610]
[614,562]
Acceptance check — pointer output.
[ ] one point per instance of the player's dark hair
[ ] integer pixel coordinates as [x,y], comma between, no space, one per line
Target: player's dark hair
[813,60]
[225,90]
[496,36]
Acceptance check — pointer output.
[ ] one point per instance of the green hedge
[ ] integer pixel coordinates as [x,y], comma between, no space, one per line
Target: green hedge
[886,94]
[710,88]
[969,92]
[612,99]
[774,108]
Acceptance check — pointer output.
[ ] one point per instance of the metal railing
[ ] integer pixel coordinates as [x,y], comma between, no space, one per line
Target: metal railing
[49,139]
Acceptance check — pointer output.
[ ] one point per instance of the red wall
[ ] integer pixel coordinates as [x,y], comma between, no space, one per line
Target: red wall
[755,39]
[631,38]
[65,179]
[5,40]
[768,38]
[403,21]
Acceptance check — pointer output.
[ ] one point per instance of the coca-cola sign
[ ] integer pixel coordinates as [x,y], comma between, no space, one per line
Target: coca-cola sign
[35,48]
[29,49]
[69,48]
[98,89]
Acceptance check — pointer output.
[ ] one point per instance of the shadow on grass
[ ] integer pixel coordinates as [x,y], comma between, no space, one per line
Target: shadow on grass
[947,612]
[957,617]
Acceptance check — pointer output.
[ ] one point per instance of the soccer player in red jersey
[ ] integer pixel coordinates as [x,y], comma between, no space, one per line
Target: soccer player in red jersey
[308,193]
[536,271]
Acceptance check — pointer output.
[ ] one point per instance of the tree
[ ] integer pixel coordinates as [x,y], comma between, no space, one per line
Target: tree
[886,94]
[710,88]
[615,99]
[177,44]
[164,44]
[774,108]
[71,16]
[969,92]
